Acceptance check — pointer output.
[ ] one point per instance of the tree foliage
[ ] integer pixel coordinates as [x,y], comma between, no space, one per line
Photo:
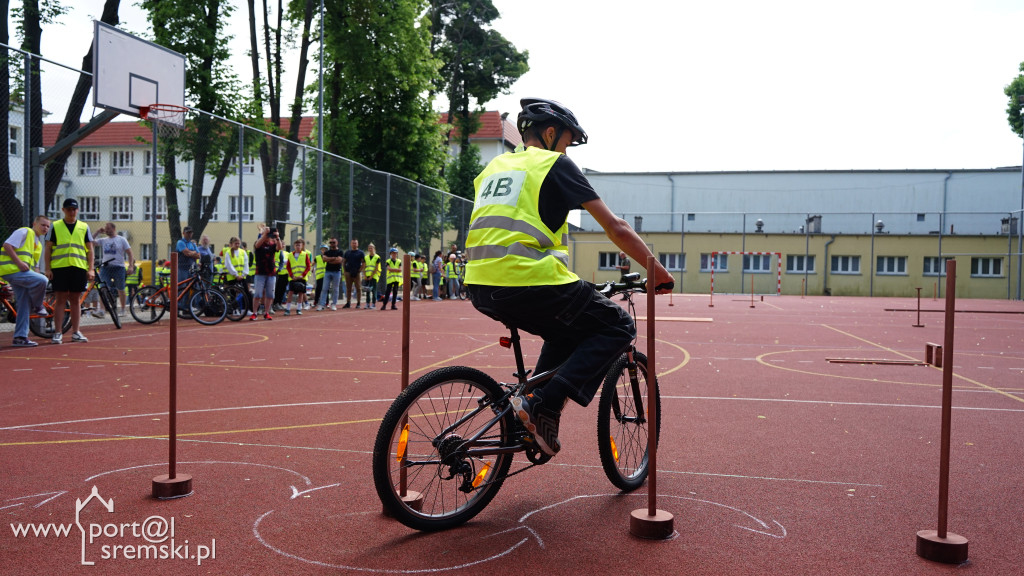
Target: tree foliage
[1015,92]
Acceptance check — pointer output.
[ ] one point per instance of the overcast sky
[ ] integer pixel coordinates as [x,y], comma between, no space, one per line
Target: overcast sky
[674,85]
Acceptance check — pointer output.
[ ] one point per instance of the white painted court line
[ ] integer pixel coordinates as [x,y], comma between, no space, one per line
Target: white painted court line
[870,404]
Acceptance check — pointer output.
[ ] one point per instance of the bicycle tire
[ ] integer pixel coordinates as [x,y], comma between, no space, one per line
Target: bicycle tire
[43,326]
[237,302]
[148,304]
[110,303]
[622,438]
[431,403]
[208,307]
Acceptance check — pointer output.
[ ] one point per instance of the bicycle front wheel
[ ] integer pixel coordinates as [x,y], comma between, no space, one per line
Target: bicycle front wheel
[42,326]
[110,303]
[622,421]
[148,304]
[237,302]
[208,307]
[422,447]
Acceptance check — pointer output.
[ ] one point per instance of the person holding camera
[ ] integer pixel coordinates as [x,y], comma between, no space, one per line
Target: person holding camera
[266,249]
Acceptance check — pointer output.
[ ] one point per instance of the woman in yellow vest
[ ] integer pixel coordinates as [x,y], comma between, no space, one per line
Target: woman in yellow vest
[371,275]
[18,267]
[393,266]
[518,270]
[69,266]
[299,264]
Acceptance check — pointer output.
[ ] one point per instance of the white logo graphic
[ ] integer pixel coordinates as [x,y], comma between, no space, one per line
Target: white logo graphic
[79,506]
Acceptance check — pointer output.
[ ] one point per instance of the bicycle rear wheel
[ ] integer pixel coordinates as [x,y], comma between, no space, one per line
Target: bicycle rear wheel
[110,303]
[423,438]
[208,307]
[622,422]
[148,304]
[237,302]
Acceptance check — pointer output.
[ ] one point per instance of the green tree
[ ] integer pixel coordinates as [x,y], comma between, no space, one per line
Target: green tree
[1015,92]
[196,29]
[278,162]
[378,76]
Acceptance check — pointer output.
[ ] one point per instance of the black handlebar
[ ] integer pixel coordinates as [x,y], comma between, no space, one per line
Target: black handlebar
[629,283]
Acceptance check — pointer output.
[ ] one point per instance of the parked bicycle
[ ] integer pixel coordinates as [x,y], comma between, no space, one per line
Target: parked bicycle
[447,443]
[107,297]
[236,294]
[40,325]
[197,298]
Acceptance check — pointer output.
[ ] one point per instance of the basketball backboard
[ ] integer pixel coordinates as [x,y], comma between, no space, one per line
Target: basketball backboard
[130,73]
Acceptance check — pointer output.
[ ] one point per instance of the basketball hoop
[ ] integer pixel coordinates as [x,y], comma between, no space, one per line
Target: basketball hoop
[168,119]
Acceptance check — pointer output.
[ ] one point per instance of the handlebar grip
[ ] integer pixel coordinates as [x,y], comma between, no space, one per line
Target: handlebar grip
[665,286]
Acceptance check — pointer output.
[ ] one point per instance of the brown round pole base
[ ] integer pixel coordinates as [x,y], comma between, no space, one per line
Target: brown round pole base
[657,527]
[949,550]
[165,487]
[412,499]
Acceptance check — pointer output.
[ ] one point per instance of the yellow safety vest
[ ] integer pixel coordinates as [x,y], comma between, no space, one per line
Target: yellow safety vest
[28,253]
[394,270]
[320,267]
[371,270]
[69,248]
[300,265]
[239,259]
[135,278]
[508,244]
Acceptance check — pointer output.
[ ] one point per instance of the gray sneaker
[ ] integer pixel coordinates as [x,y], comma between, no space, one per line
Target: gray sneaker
[79,337]
[540,421]
[58,338]
[23,342]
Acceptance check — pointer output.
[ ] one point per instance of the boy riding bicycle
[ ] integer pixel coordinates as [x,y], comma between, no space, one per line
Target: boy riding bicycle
[518,264]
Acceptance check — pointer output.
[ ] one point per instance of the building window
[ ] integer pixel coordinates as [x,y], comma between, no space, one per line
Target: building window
[607,260]
[846,264]
[799,264]
[213,214]
[934,266]
[691,217]
[721,262]
[248,165]
[121,162]
[89,163]
[147,251]
[757,263]
[55,211]
[148,168]
[121,208]
[986,267]
[920,217]
[247,210]
[89,208]
[896,265]
[673,261]
[13,142]
[161,207]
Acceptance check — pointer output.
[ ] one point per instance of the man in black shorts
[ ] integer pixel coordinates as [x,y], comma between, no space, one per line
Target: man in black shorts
[355,261]
[69,266]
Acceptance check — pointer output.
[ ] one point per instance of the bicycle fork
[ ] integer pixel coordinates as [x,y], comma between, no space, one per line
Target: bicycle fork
[634,386]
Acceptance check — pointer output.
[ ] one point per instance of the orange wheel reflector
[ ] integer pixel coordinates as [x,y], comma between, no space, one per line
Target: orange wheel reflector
[615,451]
[481,475]
[402,441]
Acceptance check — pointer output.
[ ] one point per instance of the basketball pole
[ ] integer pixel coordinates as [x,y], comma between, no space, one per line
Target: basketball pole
[651,523]
[172,484]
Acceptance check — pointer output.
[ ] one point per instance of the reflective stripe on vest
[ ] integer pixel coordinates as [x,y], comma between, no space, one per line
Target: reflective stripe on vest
[508,243]
[28,253]
[69,249]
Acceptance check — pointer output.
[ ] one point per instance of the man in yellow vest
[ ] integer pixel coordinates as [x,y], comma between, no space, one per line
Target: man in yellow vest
[19,267]
[69,266]
[518,270]
[298,264]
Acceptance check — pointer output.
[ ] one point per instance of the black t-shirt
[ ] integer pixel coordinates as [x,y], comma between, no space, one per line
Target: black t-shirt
[266,259]
[331,254]
[353,260]
[564,188]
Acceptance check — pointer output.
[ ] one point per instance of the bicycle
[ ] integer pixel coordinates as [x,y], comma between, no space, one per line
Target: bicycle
[236,295]
[40,325]
[107,297]
[447,443]
[205,304]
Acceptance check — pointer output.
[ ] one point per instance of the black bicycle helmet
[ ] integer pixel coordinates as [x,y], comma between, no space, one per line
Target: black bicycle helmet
[540,111]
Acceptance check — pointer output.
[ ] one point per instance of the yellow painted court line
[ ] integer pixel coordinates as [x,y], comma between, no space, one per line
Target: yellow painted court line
[955,375]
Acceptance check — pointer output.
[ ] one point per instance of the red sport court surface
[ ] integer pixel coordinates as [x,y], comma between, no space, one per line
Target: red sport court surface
[773,459]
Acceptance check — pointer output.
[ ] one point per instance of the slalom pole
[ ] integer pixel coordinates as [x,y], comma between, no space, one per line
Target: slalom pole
[413,499]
